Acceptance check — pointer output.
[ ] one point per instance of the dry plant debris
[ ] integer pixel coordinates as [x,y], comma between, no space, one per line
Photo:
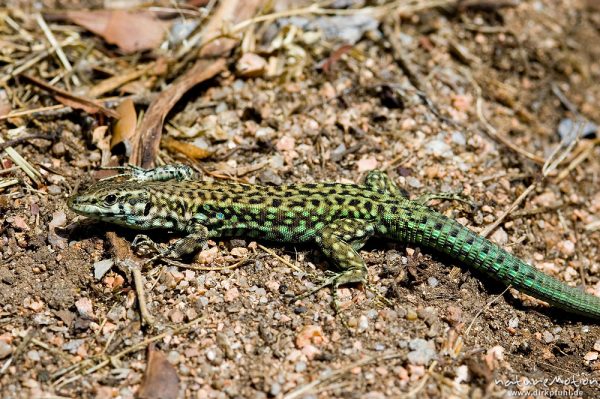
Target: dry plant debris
[492,99]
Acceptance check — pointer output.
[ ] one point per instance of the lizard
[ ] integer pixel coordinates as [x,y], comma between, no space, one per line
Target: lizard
[338,218]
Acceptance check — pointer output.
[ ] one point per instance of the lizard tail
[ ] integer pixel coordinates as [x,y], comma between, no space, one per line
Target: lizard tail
[453,239]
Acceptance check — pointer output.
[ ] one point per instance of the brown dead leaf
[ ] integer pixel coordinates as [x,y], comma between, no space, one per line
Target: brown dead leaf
[131,31]
[187,149]
[120,248]
[71,100]
[197,3]
[101,140]
[117,81]
[89,108]
[125,126]
[160,380]
[149,133]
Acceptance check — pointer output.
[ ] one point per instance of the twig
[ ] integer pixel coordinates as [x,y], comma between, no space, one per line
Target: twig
[303,390]
[403,6]
[138,282]
[285,262]
[59,52]
[32,172]
[593,226]
[8,182]
[13,24]
[564,100]
[108,101]
[413,392]
[558,155]
[133,348]
[19,351]
[491,130]
[209,269]
[54,351]
[589,149]
[28,64]
[486,307]
[18,140]
[488,229]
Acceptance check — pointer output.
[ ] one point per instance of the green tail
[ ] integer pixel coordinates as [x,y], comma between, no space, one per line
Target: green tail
[451,238]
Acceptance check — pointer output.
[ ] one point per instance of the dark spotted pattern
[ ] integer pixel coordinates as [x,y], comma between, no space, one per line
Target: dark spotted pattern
[339,218]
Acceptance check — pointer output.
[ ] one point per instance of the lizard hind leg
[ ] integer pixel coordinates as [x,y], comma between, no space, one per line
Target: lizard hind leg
[377,180]
[340,242]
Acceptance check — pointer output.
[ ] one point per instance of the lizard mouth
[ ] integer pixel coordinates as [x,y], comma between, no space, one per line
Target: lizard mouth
[81,207]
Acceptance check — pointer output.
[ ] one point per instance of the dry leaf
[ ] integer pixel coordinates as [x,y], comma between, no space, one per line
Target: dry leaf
[114,82]
[71,100]
[187,149]
[160,380]
[101,140]
[130,31]
[125,126]
[149,133]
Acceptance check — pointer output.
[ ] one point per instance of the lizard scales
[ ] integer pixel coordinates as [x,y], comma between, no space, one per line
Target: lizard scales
[339,218]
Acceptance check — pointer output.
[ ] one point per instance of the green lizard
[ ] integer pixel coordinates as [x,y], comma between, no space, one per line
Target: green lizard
[339,218]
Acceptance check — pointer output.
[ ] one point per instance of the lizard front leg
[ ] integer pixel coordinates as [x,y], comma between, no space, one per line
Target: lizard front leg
[195,241]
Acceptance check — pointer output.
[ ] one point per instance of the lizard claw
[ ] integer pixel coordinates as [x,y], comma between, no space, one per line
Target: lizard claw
[146,245]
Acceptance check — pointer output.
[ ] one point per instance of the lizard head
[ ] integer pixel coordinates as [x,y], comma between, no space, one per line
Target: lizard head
[126,204]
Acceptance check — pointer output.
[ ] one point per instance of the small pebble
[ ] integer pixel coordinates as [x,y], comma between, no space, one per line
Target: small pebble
[59,149]
[422,351]
[250,65]
[5,349]
[438,148]
[300,367]
[173,357]
[499,236]
[101,267]
[363,323]
[275,389]
[84,307]
[413,182]
[211,355]
[54,189]
[458,138]
[411,314]
[379,347]
[33,355]
[433,282]
[567,248]
[567,128]
[176,316]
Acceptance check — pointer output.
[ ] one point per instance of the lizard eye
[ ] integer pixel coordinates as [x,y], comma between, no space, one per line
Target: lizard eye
[110,199]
